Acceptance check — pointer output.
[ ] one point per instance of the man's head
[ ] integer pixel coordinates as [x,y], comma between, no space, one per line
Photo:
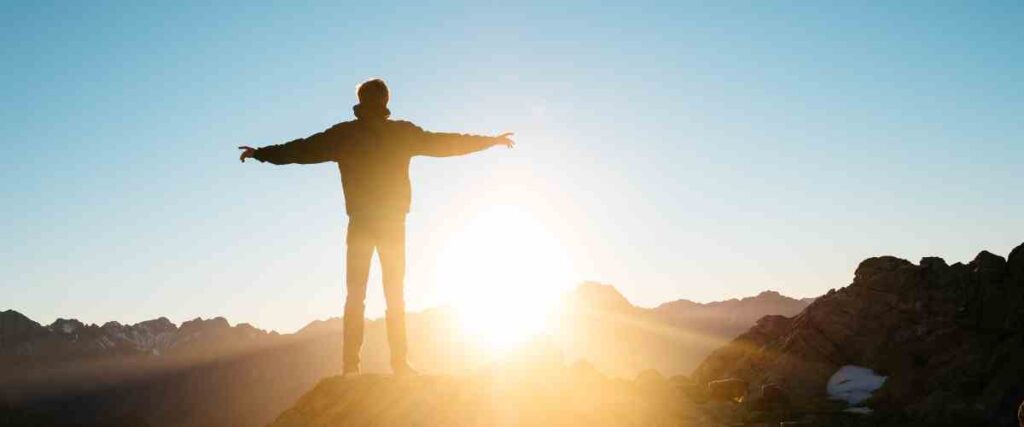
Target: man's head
[373,92]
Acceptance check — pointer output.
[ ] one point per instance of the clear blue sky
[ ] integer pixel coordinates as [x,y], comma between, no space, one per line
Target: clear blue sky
[699,151]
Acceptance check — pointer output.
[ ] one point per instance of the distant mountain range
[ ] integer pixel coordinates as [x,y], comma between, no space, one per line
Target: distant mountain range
[620,339]
[207,372]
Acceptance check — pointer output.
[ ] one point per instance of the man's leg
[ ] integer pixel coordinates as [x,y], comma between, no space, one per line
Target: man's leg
[359,252]
[391,249]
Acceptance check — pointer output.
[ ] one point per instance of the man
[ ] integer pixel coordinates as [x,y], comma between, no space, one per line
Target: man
[373,156]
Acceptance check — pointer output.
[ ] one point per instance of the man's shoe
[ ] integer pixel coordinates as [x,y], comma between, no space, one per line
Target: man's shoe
[403,369]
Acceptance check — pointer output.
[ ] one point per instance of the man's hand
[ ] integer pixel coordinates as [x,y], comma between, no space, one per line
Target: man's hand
[247,152]
[505,139]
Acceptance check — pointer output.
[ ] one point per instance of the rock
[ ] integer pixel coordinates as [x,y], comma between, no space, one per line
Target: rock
[695,393]
[988,267]
[1015,261]
[934,263]
[773,398]
[494,397]
[871,267]
[728,389]
[948,337]
[1020,415]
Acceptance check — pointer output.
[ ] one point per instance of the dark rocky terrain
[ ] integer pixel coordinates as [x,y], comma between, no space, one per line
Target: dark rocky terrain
[949,339]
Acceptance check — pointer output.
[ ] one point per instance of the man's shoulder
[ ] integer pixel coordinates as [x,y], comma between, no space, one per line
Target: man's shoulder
[346,125]
[403,124]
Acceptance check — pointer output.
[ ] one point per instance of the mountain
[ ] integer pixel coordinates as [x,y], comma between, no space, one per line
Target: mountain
[208,372]
[915,344]
[599,325]
[731,317]
[203,372]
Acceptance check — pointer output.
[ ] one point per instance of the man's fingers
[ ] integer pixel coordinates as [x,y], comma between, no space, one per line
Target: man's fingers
[246,153]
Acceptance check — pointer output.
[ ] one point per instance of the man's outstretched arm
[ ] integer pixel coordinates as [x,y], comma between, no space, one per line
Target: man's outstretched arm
[317,148]
[441,144]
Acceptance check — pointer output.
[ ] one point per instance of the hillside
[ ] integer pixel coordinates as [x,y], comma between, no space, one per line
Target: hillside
[531,388]
[946,342]
[535,393]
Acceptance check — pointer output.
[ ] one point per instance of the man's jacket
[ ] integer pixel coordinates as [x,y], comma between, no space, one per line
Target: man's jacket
[373,156]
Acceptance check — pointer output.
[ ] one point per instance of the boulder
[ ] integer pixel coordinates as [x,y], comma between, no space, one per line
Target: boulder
[773,398]
[733,389]
[1015,262]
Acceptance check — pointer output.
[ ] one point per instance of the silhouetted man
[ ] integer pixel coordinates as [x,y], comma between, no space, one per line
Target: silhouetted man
[373,156]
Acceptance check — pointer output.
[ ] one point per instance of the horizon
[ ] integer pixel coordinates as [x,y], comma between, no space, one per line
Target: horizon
[236,322]
[684,151]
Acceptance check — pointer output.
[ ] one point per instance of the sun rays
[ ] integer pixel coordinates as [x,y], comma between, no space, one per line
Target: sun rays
[505,272]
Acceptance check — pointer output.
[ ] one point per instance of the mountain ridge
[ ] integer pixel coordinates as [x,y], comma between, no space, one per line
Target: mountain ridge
[164,323]
[208,371]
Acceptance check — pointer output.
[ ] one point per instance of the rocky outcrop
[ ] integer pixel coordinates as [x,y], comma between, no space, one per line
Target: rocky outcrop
[948,338]
[547,394]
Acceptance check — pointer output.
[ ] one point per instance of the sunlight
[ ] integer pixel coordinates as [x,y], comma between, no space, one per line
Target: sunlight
[505,272]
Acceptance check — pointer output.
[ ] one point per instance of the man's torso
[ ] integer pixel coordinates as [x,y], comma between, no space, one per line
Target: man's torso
[373,158]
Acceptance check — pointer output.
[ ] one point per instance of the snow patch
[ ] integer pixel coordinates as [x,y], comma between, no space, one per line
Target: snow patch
[854,384]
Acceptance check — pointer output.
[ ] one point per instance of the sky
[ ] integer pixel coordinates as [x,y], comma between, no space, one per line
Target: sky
[704,150]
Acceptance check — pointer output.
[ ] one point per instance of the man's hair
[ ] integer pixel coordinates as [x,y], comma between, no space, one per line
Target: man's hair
[373,92]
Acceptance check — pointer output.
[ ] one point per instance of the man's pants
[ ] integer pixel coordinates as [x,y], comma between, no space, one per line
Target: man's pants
[386,234]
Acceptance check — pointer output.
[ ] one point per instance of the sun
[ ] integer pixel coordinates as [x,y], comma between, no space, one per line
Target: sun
[504,271]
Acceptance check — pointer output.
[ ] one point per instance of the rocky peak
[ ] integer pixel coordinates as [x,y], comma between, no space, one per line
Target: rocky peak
[66,326]
[11,319]
[988,267]
[600,296]
[200,325]
[15,327]
[157,325]
[933,263]
[947,337]
[872,267]
[1015,261]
